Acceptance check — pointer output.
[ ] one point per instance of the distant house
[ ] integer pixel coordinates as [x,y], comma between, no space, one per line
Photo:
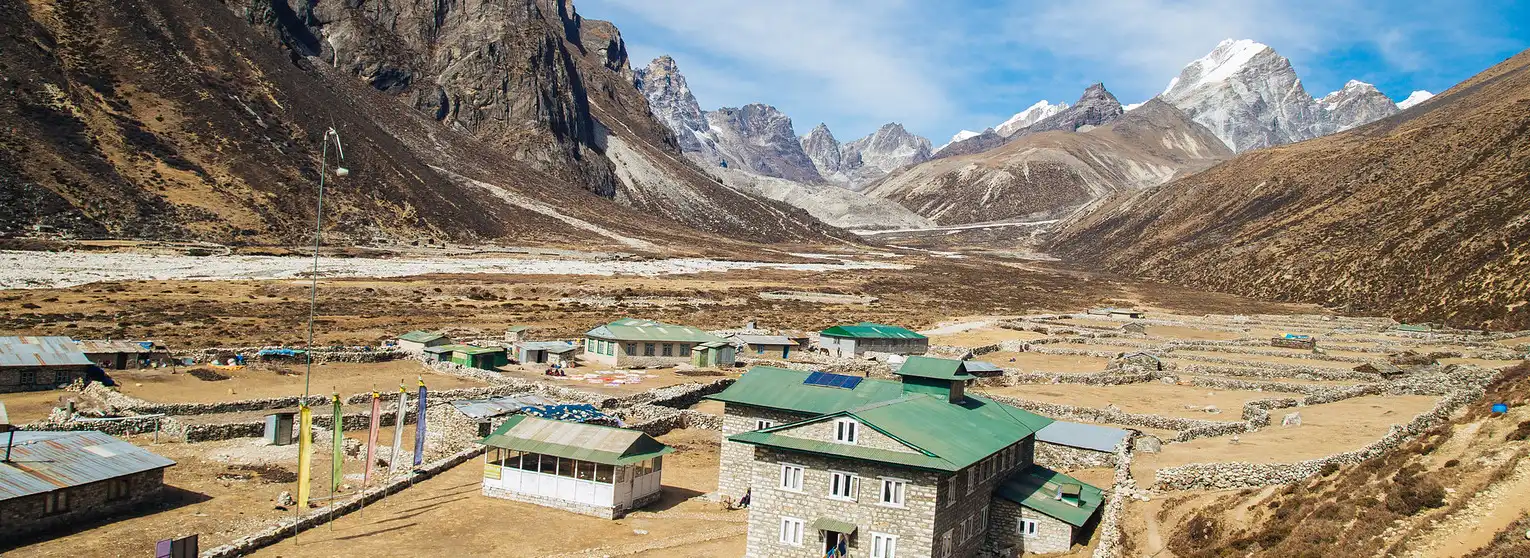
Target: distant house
[122,355]
[486,358]
[583,468]
[62,479]
[415,342]
[1135,328]
[773,346]
[1145,360]
[630,343]
[1116,313]
[1294,341]
[514,334]
[545,352]
[855,340]
[38,363]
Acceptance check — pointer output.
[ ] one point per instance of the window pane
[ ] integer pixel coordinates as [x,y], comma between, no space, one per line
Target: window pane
[565,467]
[603,473]
[586,470]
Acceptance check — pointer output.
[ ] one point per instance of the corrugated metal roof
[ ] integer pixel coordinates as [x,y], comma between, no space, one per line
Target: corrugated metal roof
[572,440]
[93,346]
[421,336]
[782,388]
[869,330]
[479,409]
[632,329]
[1037,487]
[41,351]
[550,346]
[464,349]
[1086,436]
[764,339]
[977,366]
[47,461]
[931,367]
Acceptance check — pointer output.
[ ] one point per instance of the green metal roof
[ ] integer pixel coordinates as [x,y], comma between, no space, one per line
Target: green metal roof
[573,440]
[946,436]
[631,329]
[418,336]
[869,330]
[464,349]
[931,367]
[1037,488]
[781,388]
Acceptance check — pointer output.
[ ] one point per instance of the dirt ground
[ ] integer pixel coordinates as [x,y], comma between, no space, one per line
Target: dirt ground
[28,406]
[1311,362]
[253,382]
[1326,429]
[1153,397]
[417,521]
[1038,362]
[1193,333]
[983,336]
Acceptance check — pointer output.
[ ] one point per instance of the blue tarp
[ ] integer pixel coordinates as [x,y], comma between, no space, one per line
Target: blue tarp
[280,352]
[579,412]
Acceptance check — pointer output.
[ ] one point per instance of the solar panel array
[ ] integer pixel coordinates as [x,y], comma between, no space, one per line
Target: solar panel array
[832,380]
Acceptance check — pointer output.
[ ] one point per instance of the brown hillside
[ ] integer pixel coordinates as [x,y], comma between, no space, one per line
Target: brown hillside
[192,119]
[1424,215]
[1049,174]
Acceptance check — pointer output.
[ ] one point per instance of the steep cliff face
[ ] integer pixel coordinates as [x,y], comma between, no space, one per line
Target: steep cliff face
[1096,107]
[1356,104]
[824,151]
[884,151]
[760,138]
[1051,174]
[1421,215]
[473,120]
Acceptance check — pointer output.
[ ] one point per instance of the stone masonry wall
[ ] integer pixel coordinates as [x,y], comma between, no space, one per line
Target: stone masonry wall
[25,515]
[734,469]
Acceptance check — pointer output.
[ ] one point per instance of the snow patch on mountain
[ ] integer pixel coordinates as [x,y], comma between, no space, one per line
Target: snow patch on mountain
[1413,99]
[1023,119]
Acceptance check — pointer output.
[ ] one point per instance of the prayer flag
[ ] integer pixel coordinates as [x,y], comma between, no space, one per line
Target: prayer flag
[336,475]
[366,477]
[305,425]
[419,427]
[398,430]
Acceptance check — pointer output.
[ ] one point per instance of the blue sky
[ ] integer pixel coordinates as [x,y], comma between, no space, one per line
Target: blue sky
[942,66]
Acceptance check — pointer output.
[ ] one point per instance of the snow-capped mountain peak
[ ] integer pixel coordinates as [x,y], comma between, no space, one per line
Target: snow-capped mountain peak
[1031,115]
[962,135]
[1414,98]
[1226,60]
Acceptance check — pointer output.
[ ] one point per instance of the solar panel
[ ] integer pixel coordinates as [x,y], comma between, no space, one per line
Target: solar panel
[832,380]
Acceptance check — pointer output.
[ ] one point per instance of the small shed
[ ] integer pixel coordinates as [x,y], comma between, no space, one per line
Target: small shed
[774,346]
[545,352]
[471,356]
[714,354]
[583,468]
[279,428]
[1135,328]
[515,334]
[116,354]
[1040,511]
[1294,341]
[1116,312]
[415,342]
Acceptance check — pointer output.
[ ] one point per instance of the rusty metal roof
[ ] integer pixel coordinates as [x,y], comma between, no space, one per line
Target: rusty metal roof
[93,346]
[41,351]
[47,461]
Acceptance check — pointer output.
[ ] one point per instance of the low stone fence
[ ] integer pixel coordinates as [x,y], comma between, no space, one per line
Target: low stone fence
[1246,350]
[1314,390]
[677,396]
[118,426]
[322,354]
[1060,457]
[1110,515]
[1115,377]
[288,527]
[1220,476]
[1114,416]
[1272,370]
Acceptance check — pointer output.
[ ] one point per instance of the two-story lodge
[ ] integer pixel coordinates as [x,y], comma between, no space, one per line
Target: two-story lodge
[907,468]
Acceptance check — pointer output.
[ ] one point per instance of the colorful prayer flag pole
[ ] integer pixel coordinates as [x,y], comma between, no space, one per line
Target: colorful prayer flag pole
[338,459]
[305,462]
[419,427]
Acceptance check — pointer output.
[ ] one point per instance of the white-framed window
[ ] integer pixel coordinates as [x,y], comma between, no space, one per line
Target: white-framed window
[946,544]
[884,545]
[845,431]
[762,424]
[791,531]
[842,485]
[983,517]
[972,479]
[892,492]
[1026,528]
[951,487]
[791,477]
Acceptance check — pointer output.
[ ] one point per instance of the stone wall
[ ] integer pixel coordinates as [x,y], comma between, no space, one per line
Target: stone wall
[1063,458]
[321,354]
[26,515]
[1109,528]
[735,459]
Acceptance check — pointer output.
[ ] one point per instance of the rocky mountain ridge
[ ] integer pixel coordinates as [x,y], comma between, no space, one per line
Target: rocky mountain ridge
[1096,106]
[1420,216]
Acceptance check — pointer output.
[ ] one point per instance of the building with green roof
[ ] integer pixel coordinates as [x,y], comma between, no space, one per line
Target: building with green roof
[415,342]
[583,468]
[471,356]
[858,339]
[636,343]
[918,465]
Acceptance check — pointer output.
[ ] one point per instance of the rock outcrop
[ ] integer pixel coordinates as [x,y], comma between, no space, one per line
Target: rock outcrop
[1096,107]
[1031,115]
[885,150]
[1357,103]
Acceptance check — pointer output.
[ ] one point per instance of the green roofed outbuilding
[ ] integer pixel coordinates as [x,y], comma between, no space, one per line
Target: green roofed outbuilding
[583,468]
[415,342]
[471,356]
[858,339]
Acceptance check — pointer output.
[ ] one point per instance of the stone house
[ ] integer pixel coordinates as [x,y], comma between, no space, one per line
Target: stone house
[764,346]
[115,354]
[415,342]
[545,352]
[39,363]
[63,479]
[915,467]
[856,340]
[634,343]
[583,468]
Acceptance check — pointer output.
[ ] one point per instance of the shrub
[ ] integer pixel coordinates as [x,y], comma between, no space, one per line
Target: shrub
[1521,433]
[1329,469]
[1411,494]
[1453,463]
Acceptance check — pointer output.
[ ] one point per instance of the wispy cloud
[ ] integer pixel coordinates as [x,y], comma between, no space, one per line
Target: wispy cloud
[942,66]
